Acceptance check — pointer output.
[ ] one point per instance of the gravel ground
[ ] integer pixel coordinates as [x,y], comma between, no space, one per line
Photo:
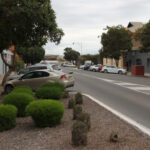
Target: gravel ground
[25,136]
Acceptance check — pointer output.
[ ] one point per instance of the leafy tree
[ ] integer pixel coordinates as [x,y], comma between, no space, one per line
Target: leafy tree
[19,64]
[31,55]
[70,54]
[94,58]
[143,34]
[27,23]
[115,41]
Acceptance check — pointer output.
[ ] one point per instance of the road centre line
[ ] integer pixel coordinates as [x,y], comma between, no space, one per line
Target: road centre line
[132,86]
[137,125]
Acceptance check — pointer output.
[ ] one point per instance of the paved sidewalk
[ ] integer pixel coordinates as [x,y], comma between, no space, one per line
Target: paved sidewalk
[145,75]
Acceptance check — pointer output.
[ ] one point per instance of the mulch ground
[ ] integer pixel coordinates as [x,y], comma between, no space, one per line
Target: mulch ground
[25,136]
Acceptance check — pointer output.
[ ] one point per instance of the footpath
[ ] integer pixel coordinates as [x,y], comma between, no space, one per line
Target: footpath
[145,75]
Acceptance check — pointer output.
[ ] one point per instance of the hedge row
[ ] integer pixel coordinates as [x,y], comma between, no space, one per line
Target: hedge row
[20,102]
[50,90]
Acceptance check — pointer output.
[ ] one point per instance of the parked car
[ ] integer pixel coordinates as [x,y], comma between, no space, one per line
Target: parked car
[113,69]
[35,78]
[68,64]
[82,67]
[53,67]
[86,67]
[91,67]
[100,67]
[95,67]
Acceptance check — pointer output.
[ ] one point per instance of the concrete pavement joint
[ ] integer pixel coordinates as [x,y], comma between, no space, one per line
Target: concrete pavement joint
[137,125]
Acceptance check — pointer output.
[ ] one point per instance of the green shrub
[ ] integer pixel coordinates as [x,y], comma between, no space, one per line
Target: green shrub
[49,93]
[71,103]
[53,84]
[7,117]
[78,98]
[79,133]
[85,117]
[46,113]
[65,94]
[20,100]
[77,109]
[23,89]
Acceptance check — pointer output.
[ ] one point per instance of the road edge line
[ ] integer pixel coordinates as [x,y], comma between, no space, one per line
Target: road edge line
[138,126]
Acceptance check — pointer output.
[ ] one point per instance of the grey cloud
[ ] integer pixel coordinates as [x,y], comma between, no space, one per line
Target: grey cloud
[84,20]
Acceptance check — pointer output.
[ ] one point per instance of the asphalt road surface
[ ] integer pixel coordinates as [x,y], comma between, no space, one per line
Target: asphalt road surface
[127,94]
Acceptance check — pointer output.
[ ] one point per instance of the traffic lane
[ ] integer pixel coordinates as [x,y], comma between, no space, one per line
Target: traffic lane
[129,103]
[117,77]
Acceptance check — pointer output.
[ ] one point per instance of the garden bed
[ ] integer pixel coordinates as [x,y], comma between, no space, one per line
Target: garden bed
[25,136]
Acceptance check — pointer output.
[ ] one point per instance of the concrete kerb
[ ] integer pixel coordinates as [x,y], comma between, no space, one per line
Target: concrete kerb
[145,75]
[132,122]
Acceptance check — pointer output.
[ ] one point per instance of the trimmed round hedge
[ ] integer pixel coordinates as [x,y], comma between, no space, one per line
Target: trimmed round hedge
[49,93]
[53,84]
[7,117]
[23,89]
[20,100]
[46,113]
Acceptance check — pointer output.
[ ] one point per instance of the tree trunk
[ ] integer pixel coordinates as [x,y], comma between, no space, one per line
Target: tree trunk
[117,62]
[11,67]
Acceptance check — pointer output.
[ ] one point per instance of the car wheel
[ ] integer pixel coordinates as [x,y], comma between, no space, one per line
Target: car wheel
[105,71]
[94,70]
[8,89]
[120,72]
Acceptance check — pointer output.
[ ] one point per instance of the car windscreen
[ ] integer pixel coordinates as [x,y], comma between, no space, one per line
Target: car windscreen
[23,71]
[56,67]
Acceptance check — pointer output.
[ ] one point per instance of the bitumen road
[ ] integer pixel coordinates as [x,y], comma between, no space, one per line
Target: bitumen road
[127,94]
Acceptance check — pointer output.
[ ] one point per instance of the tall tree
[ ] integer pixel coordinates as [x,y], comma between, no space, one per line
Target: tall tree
[115,41]
[94,58]
[27,23]
[143,34]
[70,54]
[31,55]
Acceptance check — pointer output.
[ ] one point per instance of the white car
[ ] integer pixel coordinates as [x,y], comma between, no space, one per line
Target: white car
[113,69]
[94,67]
[68,65]
[82,67]
[91,67]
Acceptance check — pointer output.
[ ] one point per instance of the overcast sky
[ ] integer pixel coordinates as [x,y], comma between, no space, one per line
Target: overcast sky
[84,20]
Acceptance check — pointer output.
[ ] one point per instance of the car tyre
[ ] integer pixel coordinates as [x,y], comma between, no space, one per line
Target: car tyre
[105,71]
[8,89]
[120,72]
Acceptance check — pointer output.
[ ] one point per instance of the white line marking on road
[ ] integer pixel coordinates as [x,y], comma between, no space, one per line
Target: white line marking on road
[126,84]
[140,127]
[140,88]
[132,86]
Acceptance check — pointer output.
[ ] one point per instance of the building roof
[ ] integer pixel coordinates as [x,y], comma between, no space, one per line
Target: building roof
[133,26]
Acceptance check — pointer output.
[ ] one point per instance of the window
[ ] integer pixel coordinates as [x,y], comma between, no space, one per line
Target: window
[37,74]
[40,74]
[138,61]
[28,76]
[45,74]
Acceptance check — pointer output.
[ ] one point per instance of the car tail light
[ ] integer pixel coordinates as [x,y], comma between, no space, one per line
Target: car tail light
[63,77]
